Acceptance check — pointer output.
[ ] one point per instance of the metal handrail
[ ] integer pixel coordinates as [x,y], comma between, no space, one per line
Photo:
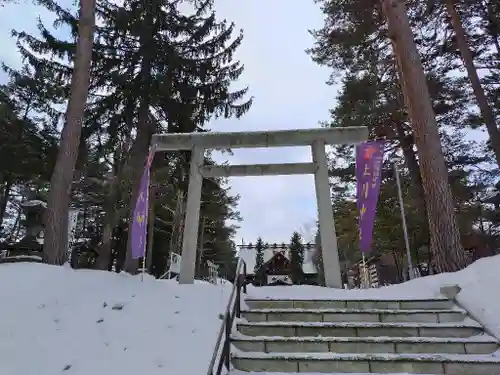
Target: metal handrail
[232,311]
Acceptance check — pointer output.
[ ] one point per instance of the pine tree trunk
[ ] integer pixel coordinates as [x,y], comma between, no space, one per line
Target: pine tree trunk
[407,144]
[178,224]
[397,266]
[56,219]
[482,101]
[445,237]
[104,258]
[111,217]
[117,202]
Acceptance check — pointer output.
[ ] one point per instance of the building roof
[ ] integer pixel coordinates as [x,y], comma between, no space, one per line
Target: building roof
[248,255]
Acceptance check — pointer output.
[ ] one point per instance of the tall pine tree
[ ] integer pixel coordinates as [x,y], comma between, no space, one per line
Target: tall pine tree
[297,257]
[259,255]
[354,43]
[155,68]
[58,202]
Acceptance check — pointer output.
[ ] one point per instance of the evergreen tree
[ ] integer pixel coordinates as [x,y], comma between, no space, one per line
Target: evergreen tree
[259,255]
[188,85]
[29,144]
[444,232]
[296,257]
[58,202]
[217,208]
[458,14]
[156,68]
[354,43]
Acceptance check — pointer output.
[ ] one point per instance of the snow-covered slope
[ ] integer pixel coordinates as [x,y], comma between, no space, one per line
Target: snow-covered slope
[480,283]
[54,320]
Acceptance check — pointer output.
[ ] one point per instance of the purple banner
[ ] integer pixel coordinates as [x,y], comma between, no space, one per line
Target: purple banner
[369,158]
[140,216]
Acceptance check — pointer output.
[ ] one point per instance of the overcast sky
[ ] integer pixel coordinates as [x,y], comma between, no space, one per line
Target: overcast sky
[289,90]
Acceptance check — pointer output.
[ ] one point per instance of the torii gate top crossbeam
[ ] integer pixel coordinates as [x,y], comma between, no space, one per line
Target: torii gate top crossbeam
[255,139]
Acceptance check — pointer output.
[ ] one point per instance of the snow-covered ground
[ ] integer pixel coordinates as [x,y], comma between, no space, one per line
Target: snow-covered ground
[480,284]
[54,320]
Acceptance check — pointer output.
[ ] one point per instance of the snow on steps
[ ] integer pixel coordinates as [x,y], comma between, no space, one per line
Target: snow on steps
[398,304]
[362,336]
[466,328]
[352,315]
[350,362]
[482,344]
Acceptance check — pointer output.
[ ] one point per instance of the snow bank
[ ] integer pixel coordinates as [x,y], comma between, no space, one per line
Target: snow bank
[55,320]
[480,283]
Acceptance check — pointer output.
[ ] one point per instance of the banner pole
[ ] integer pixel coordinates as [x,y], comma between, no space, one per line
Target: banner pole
[411,272]
[365,271]
[143,267]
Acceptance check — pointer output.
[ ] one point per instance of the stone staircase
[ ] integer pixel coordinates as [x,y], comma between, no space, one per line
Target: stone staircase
[361,337]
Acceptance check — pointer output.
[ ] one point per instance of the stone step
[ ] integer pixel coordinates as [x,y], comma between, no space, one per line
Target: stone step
[467,328]
[393,304]
[412,345]
[354,315]
[453,364]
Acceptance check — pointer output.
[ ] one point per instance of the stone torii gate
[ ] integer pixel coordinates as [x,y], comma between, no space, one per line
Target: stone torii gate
[317,139]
